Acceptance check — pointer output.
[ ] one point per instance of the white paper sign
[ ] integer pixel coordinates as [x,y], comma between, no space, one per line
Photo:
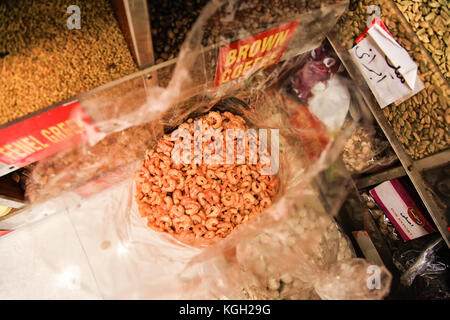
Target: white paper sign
[387,68]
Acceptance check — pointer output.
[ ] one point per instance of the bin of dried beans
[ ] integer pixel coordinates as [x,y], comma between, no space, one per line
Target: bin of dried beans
[43,62]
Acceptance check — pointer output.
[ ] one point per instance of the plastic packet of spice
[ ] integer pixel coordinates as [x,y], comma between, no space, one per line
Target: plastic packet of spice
[366,151]
[133,116]
[318,67]
[385,226]
[316,83]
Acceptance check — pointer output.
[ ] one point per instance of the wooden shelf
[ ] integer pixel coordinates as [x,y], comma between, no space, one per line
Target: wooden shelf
[379,177]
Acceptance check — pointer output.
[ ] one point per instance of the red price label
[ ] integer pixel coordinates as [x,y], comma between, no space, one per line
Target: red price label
[243,57]
[43,135]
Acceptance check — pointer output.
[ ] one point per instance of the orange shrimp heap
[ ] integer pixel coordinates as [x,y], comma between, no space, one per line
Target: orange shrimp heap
[201,200]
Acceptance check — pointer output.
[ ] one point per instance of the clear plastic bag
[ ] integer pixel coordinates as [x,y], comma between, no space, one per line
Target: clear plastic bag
[366,151]
[297,231]
[424,267]
[385,226]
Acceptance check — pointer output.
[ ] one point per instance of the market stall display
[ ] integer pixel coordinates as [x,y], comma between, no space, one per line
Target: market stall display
[125,99]
[97,109]
[256,99]
[229,223]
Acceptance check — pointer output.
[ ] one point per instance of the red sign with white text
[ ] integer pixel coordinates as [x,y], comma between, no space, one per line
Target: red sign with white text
[243,57]
[44,134]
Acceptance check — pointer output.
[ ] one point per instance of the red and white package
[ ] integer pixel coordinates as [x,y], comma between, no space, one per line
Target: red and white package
[401,210]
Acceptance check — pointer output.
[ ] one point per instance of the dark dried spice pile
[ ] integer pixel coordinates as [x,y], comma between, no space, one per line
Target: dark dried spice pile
[171,20]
